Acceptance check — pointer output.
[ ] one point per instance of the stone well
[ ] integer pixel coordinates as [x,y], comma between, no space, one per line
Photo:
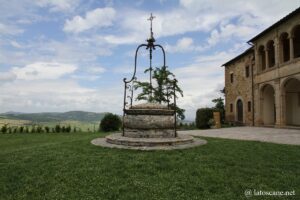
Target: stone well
[149,120]
[148,126]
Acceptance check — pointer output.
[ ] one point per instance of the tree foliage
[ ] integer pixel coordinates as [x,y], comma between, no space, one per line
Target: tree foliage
[162,89]
[220,107]
[110,122]
[203,115]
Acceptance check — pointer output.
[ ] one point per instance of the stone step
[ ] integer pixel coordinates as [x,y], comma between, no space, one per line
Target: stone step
[128,141]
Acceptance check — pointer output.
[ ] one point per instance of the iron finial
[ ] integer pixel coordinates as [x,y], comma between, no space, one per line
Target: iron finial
[151,39]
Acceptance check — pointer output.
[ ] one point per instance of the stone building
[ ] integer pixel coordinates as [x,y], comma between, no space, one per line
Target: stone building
[262,84]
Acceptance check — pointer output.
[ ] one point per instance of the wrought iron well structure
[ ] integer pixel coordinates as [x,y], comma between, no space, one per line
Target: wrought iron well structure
[128,108]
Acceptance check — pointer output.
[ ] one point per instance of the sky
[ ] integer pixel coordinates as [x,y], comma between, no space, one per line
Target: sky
[63,55]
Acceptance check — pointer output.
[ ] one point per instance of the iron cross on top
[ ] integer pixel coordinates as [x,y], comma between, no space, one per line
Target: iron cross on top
[151,19]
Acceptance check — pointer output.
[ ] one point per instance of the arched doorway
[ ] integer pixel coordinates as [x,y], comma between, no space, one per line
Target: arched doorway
[239,110]
[268,104]
[292,100]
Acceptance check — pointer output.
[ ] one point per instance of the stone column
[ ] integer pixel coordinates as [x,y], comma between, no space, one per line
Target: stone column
[257,61]
[291,38]
[257,104]
[277,103]
[277,51]
[267,58]
[283,108]
[280,51]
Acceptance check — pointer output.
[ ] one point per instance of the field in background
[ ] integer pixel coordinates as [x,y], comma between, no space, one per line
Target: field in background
[82,121]
[83,126]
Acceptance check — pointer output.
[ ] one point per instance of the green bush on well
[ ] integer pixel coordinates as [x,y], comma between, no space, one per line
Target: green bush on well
[110,122]
[203,115]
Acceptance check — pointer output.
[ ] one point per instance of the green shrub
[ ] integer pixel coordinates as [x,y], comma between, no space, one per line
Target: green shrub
[4,129]
[39,129]
[21,129]
[68,129]
[110,122]
[47,129]
[203,116]
[57,128]
[33,129]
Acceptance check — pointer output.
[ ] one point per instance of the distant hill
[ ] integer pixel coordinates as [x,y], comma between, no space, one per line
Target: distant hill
[55,116]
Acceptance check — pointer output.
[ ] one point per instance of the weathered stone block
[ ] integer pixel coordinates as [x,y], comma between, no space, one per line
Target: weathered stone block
[149,122]
[150,133]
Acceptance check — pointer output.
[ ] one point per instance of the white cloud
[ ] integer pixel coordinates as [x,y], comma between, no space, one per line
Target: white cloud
[58,5]
[229,32]
[9,30]
[41,70]
[202,80]
[7,77]
[201,16]
[16,44]
[185,44]
[100,17]
[96,70]
[58,96]
[86,77]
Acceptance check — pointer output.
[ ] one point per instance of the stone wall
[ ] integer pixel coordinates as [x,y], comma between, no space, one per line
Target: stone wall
[241,88]
[149,126]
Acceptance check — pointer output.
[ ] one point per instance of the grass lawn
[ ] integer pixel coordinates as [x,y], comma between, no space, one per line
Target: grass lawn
[67,166]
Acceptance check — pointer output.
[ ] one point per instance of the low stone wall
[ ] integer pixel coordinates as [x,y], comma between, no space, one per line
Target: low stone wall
[149,126]
[150,133]
[149,122]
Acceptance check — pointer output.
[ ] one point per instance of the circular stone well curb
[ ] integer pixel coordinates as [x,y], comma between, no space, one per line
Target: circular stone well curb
[118,141]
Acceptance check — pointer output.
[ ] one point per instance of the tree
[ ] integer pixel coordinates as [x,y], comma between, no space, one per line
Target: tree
[57,128]
[47,129]
[68,129]
[4,128]
[203,115]
[219,106]
[33,129]
[39,129]
[110,122]
[163,89]
[21,129]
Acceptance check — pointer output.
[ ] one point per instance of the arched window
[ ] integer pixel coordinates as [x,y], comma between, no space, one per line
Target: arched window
[296,41]
[285,47]
[271,53]
[262,57]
